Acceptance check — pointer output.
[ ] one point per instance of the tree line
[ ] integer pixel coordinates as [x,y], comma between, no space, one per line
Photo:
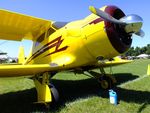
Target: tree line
[135,51]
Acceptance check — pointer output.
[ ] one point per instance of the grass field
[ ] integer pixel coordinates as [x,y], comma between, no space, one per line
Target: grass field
[81,94]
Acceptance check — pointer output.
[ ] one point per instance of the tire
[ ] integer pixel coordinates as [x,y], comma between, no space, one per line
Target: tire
[55,94]
[106,82]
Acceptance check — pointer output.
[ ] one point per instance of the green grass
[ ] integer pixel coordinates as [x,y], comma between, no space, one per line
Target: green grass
[81,94]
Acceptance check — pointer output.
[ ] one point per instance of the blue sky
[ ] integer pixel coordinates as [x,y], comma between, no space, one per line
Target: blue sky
[70,10]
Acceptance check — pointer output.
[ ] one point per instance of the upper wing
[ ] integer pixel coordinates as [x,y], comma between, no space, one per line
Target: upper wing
[14,26]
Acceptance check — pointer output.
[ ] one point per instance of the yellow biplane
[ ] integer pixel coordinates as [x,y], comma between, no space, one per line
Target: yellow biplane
[77,46]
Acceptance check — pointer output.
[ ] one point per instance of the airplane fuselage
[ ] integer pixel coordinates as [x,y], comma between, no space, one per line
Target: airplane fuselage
[79,43]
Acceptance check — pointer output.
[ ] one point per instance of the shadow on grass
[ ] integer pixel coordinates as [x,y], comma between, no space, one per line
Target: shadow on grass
[124,77]
[69,90]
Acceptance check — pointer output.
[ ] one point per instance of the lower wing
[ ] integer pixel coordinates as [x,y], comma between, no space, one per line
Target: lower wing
[13,70]
[24,70]
[116,61]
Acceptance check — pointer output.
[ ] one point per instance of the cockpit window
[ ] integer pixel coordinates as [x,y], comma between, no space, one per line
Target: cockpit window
[50,31]
[40,39]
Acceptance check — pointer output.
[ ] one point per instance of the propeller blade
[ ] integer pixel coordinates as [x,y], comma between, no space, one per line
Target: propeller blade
[105,15]
[140,33]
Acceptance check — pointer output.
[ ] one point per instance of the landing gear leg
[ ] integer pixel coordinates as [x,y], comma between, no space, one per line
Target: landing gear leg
[45,93]
[106,81]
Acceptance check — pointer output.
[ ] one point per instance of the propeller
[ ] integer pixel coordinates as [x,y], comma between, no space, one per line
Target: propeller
[140,33]
[131,23]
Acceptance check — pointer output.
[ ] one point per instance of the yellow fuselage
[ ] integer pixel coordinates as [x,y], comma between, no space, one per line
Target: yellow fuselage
[78,43]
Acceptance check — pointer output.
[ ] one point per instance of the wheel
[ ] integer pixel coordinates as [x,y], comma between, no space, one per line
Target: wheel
[55,94]
[106,82]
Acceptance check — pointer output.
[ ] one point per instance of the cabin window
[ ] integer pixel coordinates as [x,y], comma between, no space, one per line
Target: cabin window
[50,31]
[40,39]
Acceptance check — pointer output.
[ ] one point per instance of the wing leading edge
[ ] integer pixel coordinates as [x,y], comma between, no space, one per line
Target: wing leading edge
[24,70]
[14,70]
[115,62]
